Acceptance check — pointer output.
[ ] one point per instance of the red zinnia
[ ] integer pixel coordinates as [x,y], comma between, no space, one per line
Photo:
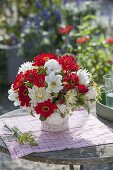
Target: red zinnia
[19,81]
[65,30]
[68,63]
[82,88]
[45,108]
[39,80]
[23,96]
[82,40]
[71,81]
[30,74]
[109,41]
[40,59]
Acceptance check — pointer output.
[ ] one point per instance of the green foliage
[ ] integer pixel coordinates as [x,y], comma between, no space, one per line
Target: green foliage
[93,54]
[22,138]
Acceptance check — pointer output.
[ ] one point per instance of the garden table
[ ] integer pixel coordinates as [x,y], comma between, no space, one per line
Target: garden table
[82,156]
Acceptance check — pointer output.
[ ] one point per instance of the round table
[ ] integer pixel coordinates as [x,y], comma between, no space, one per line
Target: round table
[81,156]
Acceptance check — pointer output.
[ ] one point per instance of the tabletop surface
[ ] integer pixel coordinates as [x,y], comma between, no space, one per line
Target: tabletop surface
[81,156]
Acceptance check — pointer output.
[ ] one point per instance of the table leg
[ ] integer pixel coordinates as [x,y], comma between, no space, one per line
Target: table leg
[71,167]
[81,167]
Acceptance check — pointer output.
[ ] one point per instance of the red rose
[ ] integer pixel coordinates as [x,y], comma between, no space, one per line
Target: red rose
[23,96]
[109,41]
[82,40]
[19,81]
[45,108]
[82,88]
[40,59]
[71,81]
[65,30]
[68,63]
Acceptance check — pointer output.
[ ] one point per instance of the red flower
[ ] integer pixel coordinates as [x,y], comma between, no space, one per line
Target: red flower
[23,96]
[40,59]
[68,63]
[110,61]
[65,30]
[39,80]
[82,40]
[19,81]
[45,108]
[82,88]
[71,81]
[30,74]
[109,41]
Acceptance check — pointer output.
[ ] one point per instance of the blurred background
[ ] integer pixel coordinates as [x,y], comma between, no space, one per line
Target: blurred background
[30,27]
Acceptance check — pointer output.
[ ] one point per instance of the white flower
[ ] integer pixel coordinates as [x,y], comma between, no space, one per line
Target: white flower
[91,94]
[38,95]
[25,66]
[62,108]
[13,96]
[83,76]
[52,65]
[71,97]
[54,83]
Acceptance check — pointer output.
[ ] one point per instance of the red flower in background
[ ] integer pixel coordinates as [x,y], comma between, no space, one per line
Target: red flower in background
[109,41]
[82,88]
[65,30]
[71,81]
[68,63]
[23,96]
[82,40]
[110,60]
[19,81]
[40,59]
[45,108]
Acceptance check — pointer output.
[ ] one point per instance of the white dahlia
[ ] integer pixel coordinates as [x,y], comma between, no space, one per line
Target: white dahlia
[13,96]
[71,97]
[38,95]
[25,66]
[83,75]
[54,83]
[91,94]
[52,65]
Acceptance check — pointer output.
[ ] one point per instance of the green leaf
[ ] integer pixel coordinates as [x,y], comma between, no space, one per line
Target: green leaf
[42,118]
[62,115]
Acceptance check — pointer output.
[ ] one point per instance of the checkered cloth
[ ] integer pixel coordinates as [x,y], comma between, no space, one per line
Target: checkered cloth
[84,130]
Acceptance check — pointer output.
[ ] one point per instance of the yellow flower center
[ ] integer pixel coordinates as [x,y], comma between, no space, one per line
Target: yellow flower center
[53,84]
[25,93]
[46,58]
[45,108]
[72,82]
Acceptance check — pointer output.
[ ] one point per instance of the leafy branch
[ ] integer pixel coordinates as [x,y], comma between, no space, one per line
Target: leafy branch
[22,138]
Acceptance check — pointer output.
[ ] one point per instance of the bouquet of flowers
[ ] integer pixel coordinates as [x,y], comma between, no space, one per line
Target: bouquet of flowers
[51,84]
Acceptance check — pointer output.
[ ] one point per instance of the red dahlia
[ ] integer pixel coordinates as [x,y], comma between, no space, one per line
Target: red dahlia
[45,108]
[19,81]
[40,59]
[82,40]
[23,96]
[68,63]
[71,81]
[65,30]
[109,41]
[82,88]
